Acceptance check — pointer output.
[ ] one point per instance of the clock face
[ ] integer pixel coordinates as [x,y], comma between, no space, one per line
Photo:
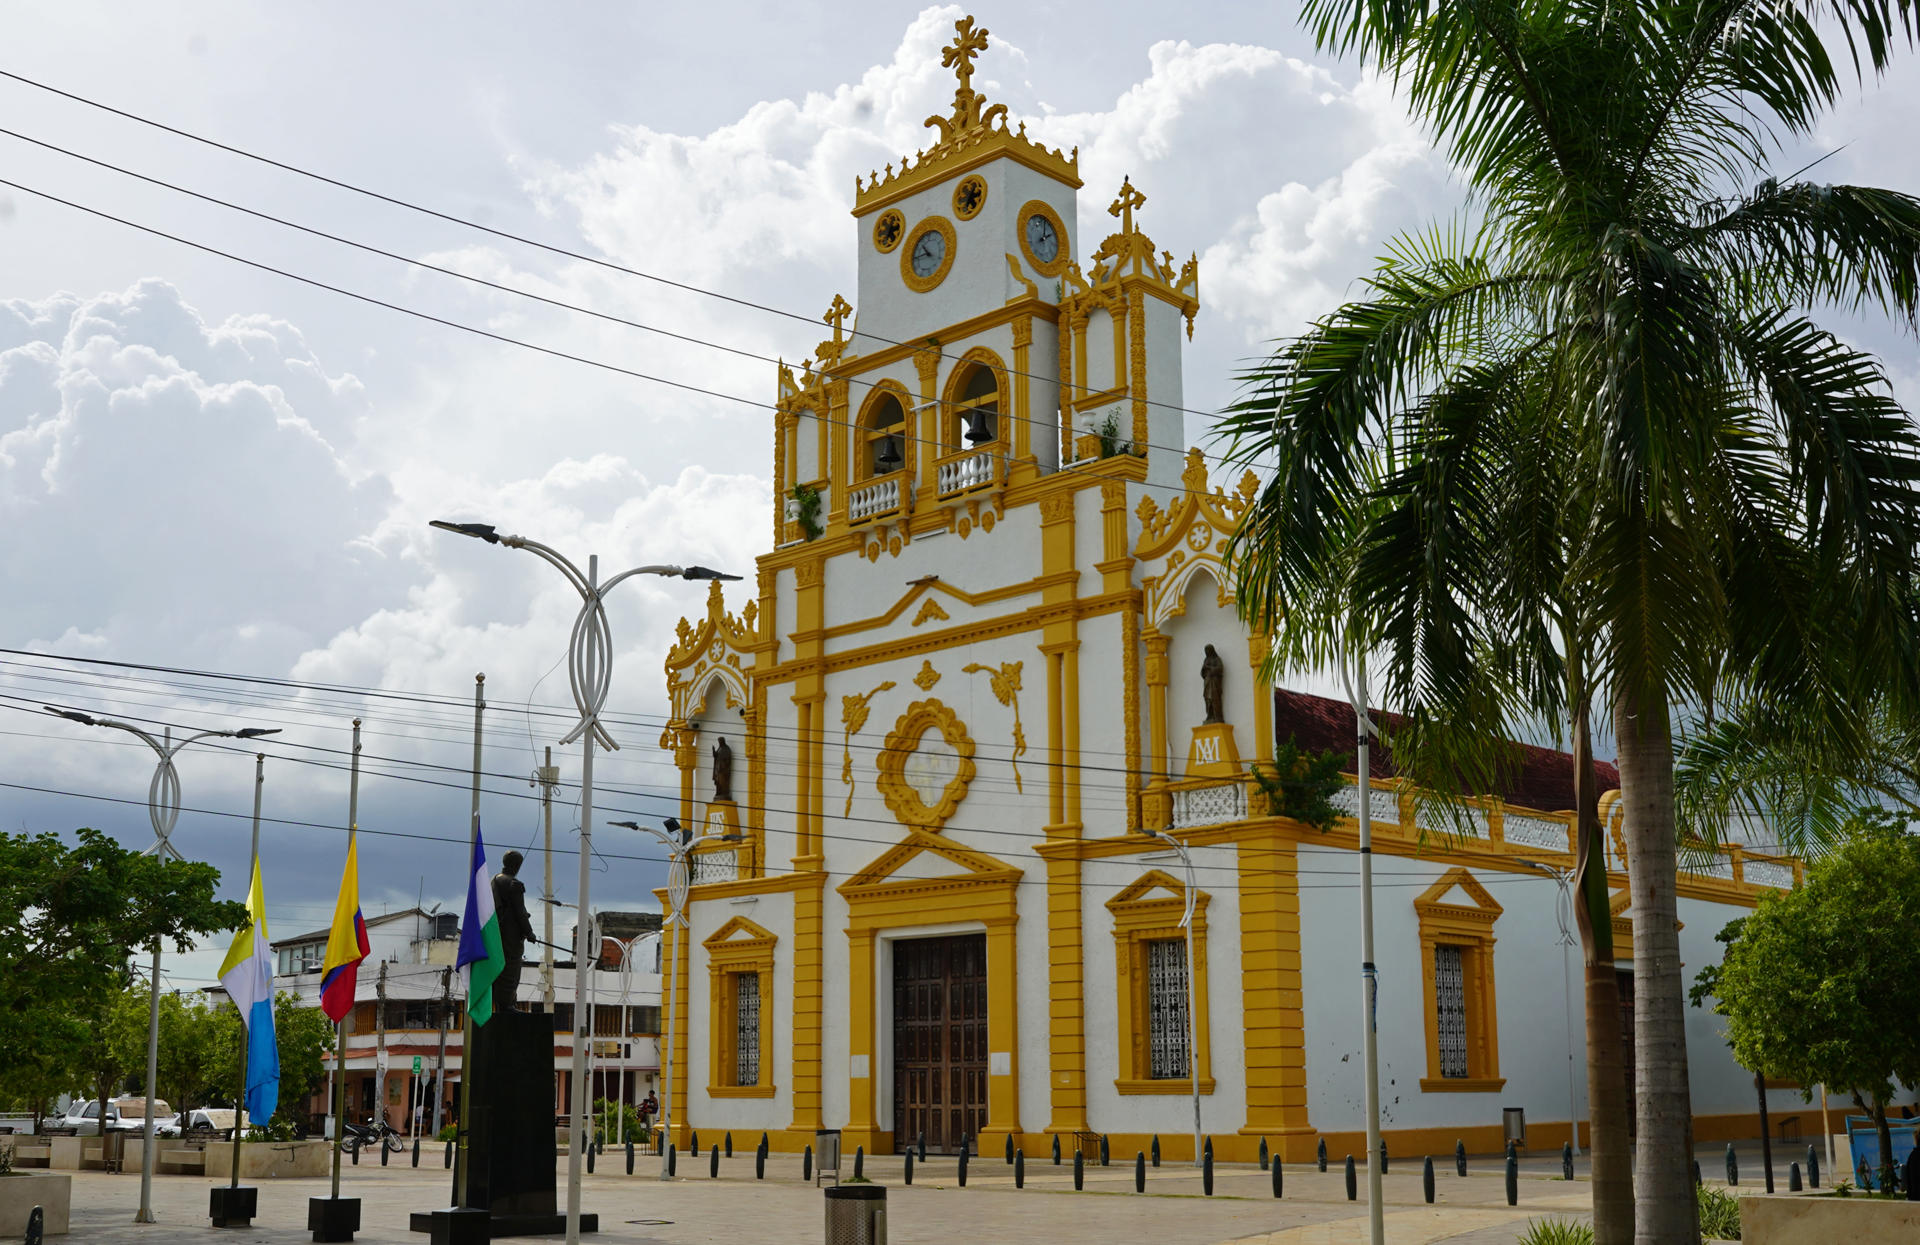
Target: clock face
[1041,239]
[929,249]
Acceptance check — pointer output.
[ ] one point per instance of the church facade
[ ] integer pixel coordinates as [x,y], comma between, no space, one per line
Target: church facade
[990,668]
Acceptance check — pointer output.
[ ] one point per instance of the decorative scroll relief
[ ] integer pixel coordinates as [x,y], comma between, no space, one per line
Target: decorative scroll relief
[1383,803]
[1713,866]
[927,677]
[1768,873]
[930,609]
[1537,832]
[1434,819]
[926,766]
[1005,683]
[853,716]
[1209,806]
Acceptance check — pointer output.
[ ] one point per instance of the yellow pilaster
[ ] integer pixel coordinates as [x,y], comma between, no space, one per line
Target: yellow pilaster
[1003,1036]
[1271,995]
[1258,646]
[863,1126]
[809,904]
[1066,998]
[1137,360]
[1020,408]
[927,425]
[677,959]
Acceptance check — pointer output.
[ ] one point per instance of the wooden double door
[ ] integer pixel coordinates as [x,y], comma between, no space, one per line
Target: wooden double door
[939,1042]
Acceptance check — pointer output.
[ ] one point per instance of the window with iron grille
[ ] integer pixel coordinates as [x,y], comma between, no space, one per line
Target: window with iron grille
[1450,998]
[746,1028]
[1167,1028]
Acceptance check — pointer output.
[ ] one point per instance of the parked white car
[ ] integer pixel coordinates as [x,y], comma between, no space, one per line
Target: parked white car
[206,1122]
[132,1114]
[83,1117]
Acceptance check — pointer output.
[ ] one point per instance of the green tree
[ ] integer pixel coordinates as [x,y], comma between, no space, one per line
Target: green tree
[188,1028]
[71,916]
[115,1042]
[1818,984]
[1745,480]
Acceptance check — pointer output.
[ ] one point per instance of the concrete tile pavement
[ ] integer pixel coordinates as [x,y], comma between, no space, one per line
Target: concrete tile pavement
[641,1210]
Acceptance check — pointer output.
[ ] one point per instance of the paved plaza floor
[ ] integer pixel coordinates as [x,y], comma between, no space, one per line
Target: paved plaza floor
[782,1210]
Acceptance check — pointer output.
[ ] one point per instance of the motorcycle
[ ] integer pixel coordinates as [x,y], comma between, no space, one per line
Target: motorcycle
[375,1132]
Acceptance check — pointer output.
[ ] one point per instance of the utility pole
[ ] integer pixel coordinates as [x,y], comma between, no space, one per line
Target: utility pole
[380,1043]
[547,777]
[440,1064]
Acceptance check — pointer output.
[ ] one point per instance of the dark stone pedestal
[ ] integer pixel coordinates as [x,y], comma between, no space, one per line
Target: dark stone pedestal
[333,1218]
[510,1167]
[231,1207]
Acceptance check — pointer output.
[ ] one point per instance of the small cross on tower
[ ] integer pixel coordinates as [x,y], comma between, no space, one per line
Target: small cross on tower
[1123,206]
[837,314]
[967,44]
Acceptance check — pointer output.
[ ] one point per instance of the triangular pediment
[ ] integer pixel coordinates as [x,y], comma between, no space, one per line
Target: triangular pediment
[1458,890]
[737,931]
[1154,884]
[919,858]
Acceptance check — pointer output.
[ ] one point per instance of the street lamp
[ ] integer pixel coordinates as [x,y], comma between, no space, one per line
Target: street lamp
[679,845]
[1193,1020]
[1563,913]
[589,669]
[163,810]
[1364,730]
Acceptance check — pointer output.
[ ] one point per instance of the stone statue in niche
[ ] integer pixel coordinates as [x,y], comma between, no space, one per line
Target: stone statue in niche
[1213,673]
[722,772]
[516,929]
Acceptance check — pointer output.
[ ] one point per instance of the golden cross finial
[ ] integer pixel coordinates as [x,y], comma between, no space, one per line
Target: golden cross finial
[837,314]
[1123,206]
[967,44]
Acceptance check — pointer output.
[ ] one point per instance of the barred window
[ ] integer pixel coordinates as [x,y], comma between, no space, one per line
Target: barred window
[1167,1028]
[746,1028]
[1450,999]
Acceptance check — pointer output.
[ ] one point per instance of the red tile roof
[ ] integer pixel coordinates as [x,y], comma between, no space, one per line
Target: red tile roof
[1319,724]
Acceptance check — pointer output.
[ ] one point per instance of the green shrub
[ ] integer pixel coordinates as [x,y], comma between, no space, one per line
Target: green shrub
[1557,1232]
[450,1133]
[1719,1215]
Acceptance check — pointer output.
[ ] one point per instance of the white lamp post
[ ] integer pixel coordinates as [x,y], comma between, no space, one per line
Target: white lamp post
[1369,975]
[589,670]
[163,810]
[1193,1020]
[1563,913]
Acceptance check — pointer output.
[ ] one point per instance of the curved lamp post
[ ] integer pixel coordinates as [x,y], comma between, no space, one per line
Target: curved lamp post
[589,670]
[163,810]
[1193,1020]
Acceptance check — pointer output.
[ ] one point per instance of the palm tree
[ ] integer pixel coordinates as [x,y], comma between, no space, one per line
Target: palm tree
[1749,490]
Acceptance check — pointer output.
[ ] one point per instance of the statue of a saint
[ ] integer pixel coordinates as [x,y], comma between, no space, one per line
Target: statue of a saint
[1213,673]
[516,928]
[722,772]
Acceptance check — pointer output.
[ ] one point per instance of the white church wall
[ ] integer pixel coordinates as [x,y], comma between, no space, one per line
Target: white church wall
[834,971]
[782,764]
[1166,422]
[774,913]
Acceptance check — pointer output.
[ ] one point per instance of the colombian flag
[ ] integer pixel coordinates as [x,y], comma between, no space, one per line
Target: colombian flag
[347,943]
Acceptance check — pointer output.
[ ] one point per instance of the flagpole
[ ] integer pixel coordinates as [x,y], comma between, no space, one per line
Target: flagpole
[240,1113]
[340,1025]
[461,1156]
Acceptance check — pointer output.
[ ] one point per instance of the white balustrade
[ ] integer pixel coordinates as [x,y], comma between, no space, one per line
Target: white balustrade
[1542,832]
[960,474]
[1383,803]
[715,867]
[880,497]
[1768,873]
[1435,819]
[1210,805]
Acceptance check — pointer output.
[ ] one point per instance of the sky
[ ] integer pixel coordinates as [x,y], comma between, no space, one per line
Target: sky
[208,466]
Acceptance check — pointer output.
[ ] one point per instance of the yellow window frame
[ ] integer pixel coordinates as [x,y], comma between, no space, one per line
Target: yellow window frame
[739,946]
[1469,927]
[1142,914]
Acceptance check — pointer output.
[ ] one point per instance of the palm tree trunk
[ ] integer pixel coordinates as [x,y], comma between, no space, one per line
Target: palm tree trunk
[1665,1210]
[1606,1069]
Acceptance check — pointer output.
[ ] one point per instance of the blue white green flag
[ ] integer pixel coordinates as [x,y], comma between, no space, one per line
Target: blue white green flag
[480,959]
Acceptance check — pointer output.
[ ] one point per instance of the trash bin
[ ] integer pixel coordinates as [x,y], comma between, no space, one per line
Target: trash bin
[1513,1121]
[857,1214]
[826,1154]
[113,1150]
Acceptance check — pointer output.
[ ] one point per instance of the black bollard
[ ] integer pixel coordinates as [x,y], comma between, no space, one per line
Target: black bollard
[1321,1154]
[1079,1171]
[806,1164]
[1426,1179]
[36,1226]
[383,1153]
[1460,1157]
[909,1164]
[1513,1149]
[923,1145]
[1513,1180]
[693,1146]
[591,1151]
[1696,1172]
[1156,1149]
[1278,1179]
[1056,1150]
[1263,1154]
[1139,1171]
[416,1151]
[1793,1177]
[1912,1176]
[963,1167]
[713,1165]
[859,1162]
[1566,1160]
[760,1163]
[1103,1150]
[1353,1186]
[1206,1147]
[1019,1167]
[1733,1167]
[1206,1173]
[629,1156]
[448,1163]
[1813,1167]
[1383,1156]
[673,1159]
[729,1140]
[763,1143]
[356,1156]
[1009,1147]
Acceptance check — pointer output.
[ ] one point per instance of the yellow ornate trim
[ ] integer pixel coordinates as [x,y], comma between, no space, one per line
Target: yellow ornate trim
[739,946]
[889,231]
[915,282]
[951,441]
[1469,927]
[1141,916]
[1040,207]
[927,677]
[853,716]
[976,184]
[930,609]
[1005,683]
[1028,290]
[904,740]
